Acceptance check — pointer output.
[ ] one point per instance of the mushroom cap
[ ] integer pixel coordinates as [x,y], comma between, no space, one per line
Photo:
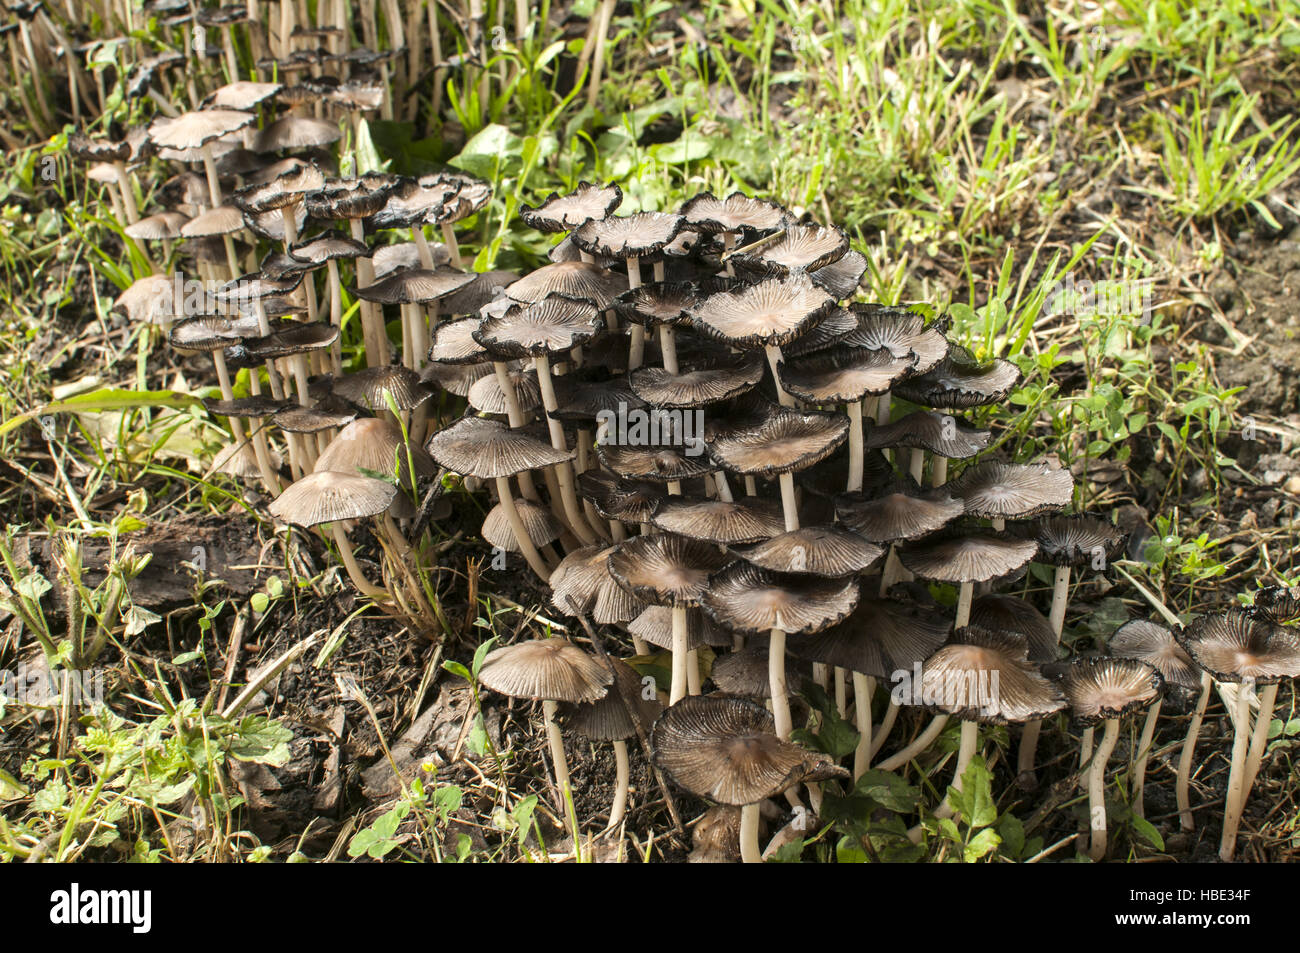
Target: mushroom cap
[1154,644]
[415,285]
[210,332]
[559,213]
[903,513]
[193,130]
[295,132]
[292,339]
[843,376]
[86,149]
[348,198]
[256,405]
[881,637]
[295,419]
[1012,490]
[838,324]
[665,569]
[695,388]
[619,713]
[800,248]
[655,625]
[726,750]
[366,388]
[329,246]
[656,303]
[842,278]
[719,521]
[1236,645]
[553,325]
[477,446]
[582,583]
[937,432]
[663,464]
[626,501]
[161,226]
[539,524]
[899,331]
[746,599]
[640,235]
[1278,603]
[154,299]
[984,676]
[326,497]
[1073,540]
[708,213]
[285,189]
[243,94]
[775,311]
[459,378]
[587,400]
[577,279]
[485,393]
[375,444]
[961,381]
[1108,687]
[976,557]
[813,550]
[545,670]
[1002,613]
[784,441]
[453,343]
[745,672]
[222,220]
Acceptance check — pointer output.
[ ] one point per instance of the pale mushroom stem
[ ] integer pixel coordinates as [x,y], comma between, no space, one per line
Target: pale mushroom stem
[556,741]
[841,692]
[963,605]
[789,506]
[693,685]
[749,818]
[1259,738]
[917,464]
[918,745]
[636,344]
[886,726]
[668,344]
[1097,789]
[622,776]
[939,465]
[516,522]
[681,649]
[863,689]
[775,357]
[336,315]
[1060,598]
[598,57]
[1234,802]
[884,407]
[1144,753]
[777,685]
[269,479]
[1187,822]
[453,249]
[1028,754]
[372,324]
[857,454]
[564,471]
[350,564]
[515,415]
[970,735]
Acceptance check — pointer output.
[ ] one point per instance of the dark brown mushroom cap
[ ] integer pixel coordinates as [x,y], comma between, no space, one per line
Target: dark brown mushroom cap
[619,713]
[842,278]
[559,213]
[617,499]
[800,248]
[193,130]
[1073,540]
[84,148]
[161,226]
[487,290]
[1236,645]
[415,285]
[295,419]
[1102,688]
[976,557]
[348,198]
[412,203]
[901,513]
[540,525]
[785,441]
[939,433]
[708,213]
[252,286]
[718,521]
[467,195]
[656,303]
[666,569]
[485,393]
[961,381]
[588,400]
[984,676]
[329,246]
[880,638]
[745,672]
[326,497]
[295,132]
[375,444]
[553,325]
[270,225]
[695,388]
[640,235]
[775,311]
[994,489]
[1156,645]
[257,405]
[477,446]
[210,332]
[453,343]
[278,265]
[1002,613]
[1278,603]
[577,279]
[293,339]
[655,625]
[843,376]
[899,331]
[814,550]
[581,583]
[829,331]
[827,479]
[747,599]
[665,464]
[545,670]
[283,190]
[725,749]
[366,388]
[458,378]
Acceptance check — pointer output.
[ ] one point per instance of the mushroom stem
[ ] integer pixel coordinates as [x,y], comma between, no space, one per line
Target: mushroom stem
[1185,756]
[598,64]
[749,852]
[1235,799]
[775,357]
[269,479]
[841,692]
[210,169]
[453,248]
[556,741]
[862,692]
[1028,754]
[564,471]
[919,744]
[777,686]
[886,726]
[693,686]
[1060,597]
[515,415]
[788,505]
[372,323]
[963,605]
[636,344]
[354,571]
[422,247]
[1097,789]
[1259,738]
[938,469]
[668,345]
[526,546]
[622,774]
[917,464]
[681,649]
[336,315]
[857,455]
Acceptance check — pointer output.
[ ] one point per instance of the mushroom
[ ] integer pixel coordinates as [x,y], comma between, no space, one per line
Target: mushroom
[725,749]
[1104,689]
[583,585]
[559,213]
[904,334]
